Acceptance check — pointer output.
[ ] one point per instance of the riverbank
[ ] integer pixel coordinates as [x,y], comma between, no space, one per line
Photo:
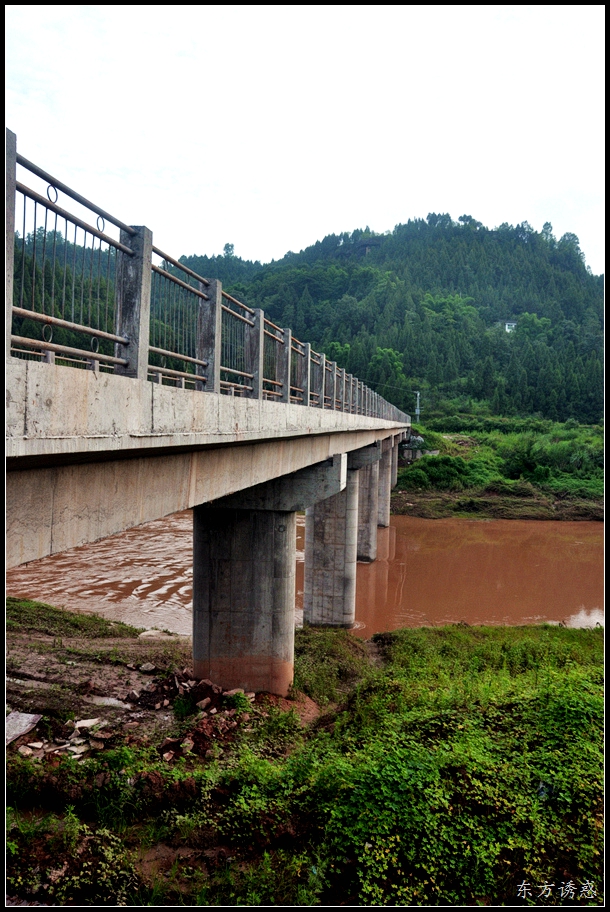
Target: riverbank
[426,766]
[504,469]
[494,501]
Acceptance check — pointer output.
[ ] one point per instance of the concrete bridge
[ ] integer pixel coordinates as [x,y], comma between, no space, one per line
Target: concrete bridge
[247,433]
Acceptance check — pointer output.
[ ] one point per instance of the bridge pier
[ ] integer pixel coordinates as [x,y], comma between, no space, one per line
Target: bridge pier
[331,538]
[244,566]
[368,510]
[385,484]
[243,597]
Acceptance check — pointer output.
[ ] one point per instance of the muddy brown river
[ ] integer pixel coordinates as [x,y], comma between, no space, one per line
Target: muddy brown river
[428,572]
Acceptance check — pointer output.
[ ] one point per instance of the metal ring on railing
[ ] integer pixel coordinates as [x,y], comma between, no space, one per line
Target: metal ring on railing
[101,227]
[44,329]
[51,187]
[95,344]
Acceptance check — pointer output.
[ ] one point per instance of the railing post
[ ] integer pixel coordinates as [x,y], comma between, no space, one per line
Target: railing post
[255,348]
[333,384]
[209,334]
[134,276]
[322,380]
[284,357]
[11,178]
[306,373]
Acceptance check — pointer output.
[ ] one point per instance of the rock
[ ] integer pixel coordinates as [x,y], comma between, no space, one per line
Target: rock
[79,749]
[188,673]
[213,710]
[96,745]
[231,693]
[35,744]
[168,756]
[245,717]
[154,634]
[251,697]
[209,753]
[148,668]
[17,724]
[203,703]
[87,723]
[157,706]
[166,702]
[188,744]
[133,696]
[130,724]
[25,751]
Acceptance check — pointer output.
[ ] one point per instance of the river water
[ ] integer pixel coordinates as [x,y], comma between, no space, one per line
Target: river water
[428,572]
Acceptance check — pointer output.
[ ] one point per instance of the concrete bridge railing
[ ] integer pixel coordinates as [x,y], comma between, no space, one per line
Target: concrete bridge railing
[242,422]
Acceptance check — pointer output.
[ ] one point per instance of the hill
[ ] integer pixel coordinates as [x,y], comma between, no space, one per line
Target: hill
[425,308]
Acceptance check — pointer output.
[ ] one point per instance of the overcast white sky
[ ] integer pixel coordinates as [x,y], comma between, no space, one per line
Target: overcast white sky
[269,127]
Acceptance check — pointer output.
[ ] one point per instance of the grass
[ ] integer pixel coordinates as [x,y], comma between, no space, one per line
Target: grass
[26,616]
[461,763]
[503,468]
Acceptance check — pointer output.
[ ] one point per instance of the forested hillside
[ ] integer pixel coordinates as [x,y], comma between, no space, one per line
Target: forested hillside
[424,307]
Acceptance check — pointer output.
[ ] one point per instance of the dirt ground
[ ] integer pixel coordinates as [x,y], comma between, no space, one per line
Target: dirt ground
[447,504]
[124,690]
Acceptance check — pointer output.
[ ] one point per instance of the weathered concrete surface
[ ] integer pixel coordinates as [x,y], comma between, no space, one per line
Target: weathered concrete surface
[368,510]
[295,492]
[92,454]
[331,537]
[243,597]
[55,412]
[385,484]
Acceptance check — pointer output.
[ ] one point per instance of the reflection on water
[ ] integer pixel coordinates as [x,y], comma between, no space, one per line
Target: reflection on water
[433,572]
[428,572]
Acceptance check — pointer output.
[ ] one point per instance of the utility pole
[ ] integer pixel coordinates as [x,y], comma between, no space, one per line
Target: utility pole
[417,409]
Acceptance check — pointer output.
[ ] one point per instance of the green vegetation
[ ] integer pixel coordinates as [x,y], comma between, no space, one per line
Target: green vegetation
[424,308]
[459,763]
[539,461]
[23,615]
[421,308]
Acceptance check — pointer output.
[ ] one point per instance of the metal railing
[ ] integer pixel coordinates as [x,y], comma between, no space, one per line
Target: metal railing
[237,325]
[64,292]
[175,296]
[72,300]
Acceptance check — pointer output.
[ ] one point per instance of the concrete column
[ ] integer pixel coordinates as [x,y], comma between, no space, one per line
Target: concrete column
[209,332]
[305,373]
[133,302]
[321,381]
[395,462]
[368,510]
[243,597]
[385,484]
[331,537]
[284,356]
[255,347]
[330,376]
[344,391]
[11,179]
